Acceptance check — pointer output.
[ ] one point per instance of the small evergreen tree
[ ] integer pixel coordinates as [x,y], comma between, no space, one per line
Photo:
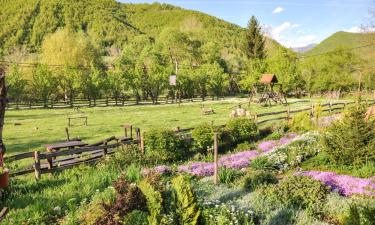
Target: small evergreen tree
[254,40]
[351,141]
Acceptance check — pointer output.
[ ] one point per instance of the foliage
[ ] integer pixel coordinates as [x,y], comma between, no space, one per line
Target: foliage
[133,173]
[258,178]
[16,83]
[228,175]
[245,146]
[242,129]
[215,214]
[301,122]
[262,163]
[203,136]
[154,202]
[129,197]
[136,217]
[187,207]
[164,145]
[351,141]
[303,192]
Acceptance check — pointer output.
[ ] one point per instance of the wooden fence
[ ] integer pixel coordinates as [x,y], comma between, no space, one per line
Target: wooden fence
[50,162]
[82,102]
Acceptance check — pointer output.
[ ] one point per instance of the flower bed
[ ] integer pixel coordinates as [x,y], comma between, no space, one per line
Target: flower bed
[344,184]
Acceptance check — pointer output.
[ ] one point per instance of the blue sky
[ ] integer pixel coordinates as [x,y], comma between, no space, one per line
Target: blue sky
[294,23]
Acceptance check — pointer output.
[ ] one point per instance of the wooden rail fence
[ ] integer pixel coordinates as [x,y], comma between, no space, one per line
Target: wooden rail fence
[50,162]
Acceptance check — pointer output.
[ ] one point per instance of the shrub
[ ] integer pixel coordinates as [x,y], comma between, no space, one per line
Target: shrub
[203,137]
[351,141]
[244,147]
[164,145]
[303,192]
[262,163]
[223,214]
[227,175]
[258,178]
[154,202]
[301,122]
[187,208]
[278,131]
[242,129]
[360,215]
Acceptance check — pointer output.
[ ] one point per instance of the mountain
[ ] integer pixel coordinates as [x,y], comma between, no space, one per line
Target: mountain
[346,40]
[304,48]
[110,24]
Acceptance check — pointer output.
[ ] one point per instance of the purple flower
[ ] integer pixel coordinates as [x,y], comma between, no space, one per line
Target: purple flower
[267,146]
[344,184]
[162,169]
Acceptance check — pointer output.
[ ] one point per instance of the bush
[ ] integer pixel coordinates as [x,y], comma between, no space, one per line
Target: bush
[187,208]
[303,192]
[244,147]
[351,141]
[164,145]
[301,122]
[136,217]
[222,214]
[227,175]
[203,137]
[154,202]
[262,163]
[258,178]
[242,129]
[360,215]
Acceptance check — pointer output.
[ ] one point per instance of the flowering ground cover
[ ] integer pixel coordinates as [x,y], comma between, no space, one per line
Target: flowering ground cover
[344,184]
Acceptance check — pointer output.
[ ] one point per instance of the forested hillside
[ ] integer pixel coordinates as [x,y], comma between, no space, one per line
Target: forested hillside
[108,23]
[346,40]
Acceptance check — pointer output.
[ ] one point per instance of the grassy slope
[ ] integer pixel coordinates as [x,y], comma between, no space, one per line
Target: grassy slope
[347,40]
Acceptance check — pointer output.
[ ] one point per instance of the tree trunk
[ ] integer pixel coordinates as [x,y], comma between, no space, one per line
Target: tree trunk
[3,101]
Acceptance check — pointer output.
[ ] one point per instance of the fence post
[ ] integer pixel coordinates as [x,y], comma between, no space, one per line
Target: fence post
[215,159]
[105,150]
[37,165]
[330,107]
[312,110]
[143,142]
[288,113]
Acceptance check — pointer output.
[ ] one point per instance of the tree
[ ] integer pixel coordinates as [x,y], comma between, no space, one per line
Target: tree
[76,57]
[16,83]
[217,79]
[43,83]
[254,40]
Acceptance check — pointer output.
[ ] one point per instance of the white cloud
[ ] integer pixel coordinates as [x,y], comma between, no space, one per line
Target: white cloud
[355,29]
[278,10]
[287,34]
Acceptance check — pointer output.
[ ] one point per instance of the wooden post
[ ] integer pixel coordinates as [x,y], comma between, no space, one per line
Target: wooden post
[105,150]
[216,165]
[143,143]
[3,213]
[67,132]
[330,107]
[288,113]
[312,110]
[37,165]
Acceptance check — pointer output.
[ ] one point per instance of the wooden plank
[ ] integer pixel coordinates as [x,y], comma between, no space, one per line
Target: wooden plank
[300,110]
[102,142]
[19,157]
[3,213]
[272,119]
[271,113]
[59,169]
[67,144]
[76,151]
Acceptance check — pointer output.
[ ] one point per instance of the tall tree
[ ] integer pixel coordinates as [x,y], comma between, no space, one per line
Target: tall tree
[43,83]
[16,83]
[254,40]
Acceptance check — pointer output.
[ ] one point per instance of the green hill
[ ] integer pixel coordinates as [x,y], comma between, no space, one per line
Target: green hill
[346,40]
[109,23]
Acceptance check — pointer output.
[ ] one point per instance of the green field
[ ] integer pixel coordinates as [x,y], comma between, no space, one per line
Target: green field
[28,130]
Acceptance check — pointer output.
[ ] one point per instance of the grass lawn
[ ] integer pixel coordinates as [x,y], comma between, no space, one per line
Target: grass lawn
[28,130]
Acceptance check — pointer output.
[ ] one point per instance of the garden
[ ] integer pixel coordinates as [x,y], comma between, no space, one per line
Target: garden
[294,172]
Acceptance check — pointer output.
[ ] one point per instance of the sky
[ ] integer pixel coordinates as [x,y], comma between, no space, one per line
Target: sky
[293,23]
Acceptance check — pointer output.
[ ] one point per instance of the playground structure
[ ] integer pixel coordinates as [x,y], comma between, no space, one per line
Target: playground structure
[267,91]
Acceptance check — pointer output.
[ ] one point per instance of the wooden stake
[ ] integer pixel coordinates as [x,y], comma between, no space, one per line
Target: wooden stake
[37,165]
[216,165]
[143,143]
[67,132]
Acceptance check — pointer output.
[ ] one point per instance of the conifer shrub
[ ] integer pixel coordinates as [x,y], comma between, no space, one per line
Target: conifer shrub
[154,202]
[187,207]
[301,122]
[351,141]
